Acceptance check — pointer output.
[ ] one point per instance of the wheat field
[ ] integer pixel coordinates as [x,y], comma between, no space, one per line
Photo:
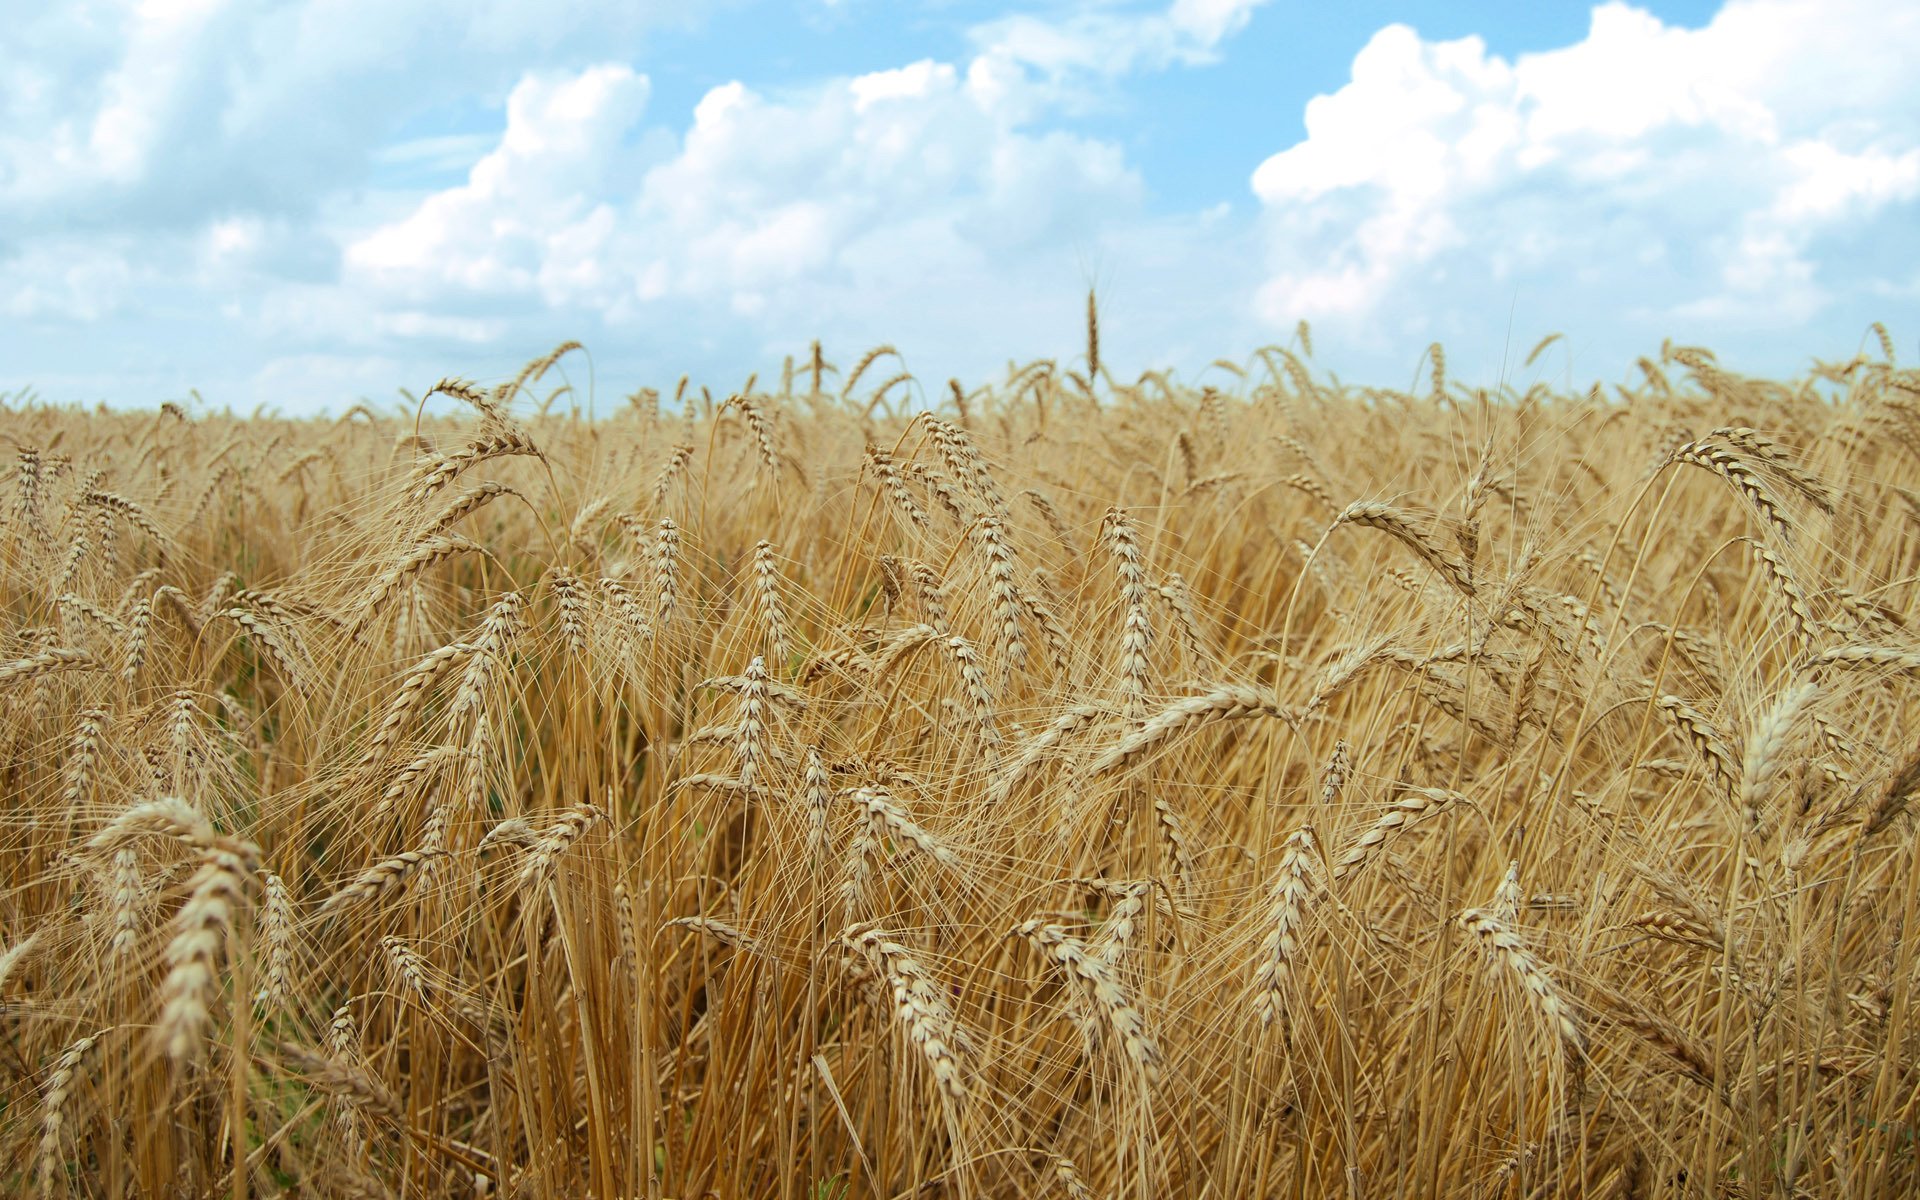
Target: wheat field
[1068,787]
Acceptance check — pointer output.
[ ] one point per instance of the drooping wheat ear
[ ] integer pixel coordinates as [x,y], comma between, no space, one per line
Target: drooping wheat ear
[766,578]
[133,654]
[860,368]
[1512,954]
[932,594]
[571,604]
[1069,1178]
[27,497]
[272,645]
[403,784]
[166,816]
[127,894]
[1286,910]
[892,652]
[559,837]
[1893,795]
[750,747]
[762,428]
[1183,444]
[183,608]
[77,552]
[1058,641]
[1405,527]
[225,475]
[921,1004]
[509,831]
[379,881]
[1681,1047]
[218,594]
[1508,898]
[720,932]
[944,490]
[1314,488]
[14,956]
[276,927]
[1299,449]
[670,473]
[185,742]
[343,1044]
[969,465]
[1228,702]
[53,1110]
[463,389]
[887,818]
[47,662]
[1766,750]
[1346,668]
[1764,449]
[1711,456]
[83,759]
[1687,919]
[1805,628]
[1861,657]
[1051,515]
[1415,805]
[889,475]
[1038,750]
[408,697]
[1706,742]
[666,572]
[421,555]
[1178,595]
[1173,831]
[966,660]
[892,381]
[464,502]
[129,511]
[491,444]
[955,450]
[1886,341]
[819,784]
[1334,776]
[533,371]
[1872,617]
[498,631]
[411,968]
[996,551]
[1130,900]
[858,871]
[1136,635]
[633,619]
[201,932]
[73,608]
[1097,986]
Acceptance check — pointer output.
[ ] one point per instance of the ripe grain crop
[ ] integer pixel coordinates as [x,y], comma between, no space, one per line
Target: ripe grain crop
[1081,787]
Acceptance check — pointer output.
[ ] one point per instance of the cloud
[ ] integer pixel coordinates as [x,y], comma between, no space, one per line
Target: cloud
[904,197]
[532,217]
[1029,64]
[1645,177]
[164,114]
[258,197]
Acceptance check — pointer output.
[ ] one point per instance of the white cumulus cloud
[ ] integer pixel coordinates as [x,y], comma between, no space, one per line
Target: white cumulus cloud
[1645,178]
[533,216]
[898,199]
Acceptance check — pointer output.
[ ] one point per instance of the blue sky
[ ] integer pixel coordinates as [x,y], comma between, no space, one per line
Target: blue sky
[300,203]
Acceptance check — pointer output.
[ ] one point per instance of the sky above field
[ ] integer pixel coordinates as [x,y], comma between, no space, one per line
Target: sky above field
[300,203]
